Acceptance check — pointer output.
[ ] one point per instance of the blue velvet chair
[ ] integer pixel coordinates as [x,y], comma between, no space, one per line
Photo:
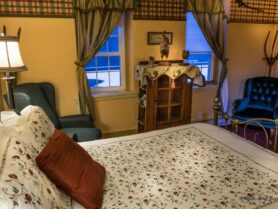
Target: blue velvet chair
[79,127]
[260,100]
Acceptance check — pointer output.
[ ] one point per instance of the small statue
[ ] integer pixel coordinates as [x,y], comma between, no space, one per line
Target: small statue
[164,46]
[151,61]
[185,55]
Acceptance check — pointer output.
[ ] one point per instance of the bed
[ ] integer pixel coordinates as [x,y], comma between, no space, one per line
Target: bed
[192,166]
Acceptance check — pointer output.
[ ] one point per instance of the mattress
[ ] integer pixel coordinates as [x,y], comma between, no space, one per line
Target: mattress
[191,166]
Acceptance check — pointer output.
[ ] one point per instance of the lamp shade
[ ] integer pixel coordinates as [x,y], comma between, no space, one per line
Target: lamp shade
[10,57]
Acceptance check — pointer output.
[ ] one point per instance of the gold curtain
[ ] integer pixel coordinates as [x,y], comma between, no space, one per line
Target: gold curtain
[1,93]
[95,20]
[210,17]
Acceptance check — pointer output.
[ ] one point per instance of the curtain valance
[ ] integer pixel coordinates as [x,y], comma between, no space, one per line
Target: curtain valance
[90,5]
[204,6]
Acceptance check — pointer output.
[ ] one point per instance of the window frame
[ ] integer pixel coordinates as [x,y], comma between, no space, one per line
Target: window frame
[121,53]
[213,66]
[213,61]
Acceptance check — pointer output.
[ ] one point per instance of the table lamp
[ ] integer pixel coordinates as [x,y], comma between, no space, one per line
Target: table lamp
[10,61]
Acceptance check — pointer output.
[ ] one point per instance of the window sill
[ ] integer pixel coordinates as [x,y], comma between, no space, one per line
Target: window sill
[111,95]
[208,87]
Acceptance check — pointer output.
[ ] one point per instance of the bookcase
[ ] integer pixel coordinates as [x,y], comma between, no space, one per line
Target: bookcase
[164,102]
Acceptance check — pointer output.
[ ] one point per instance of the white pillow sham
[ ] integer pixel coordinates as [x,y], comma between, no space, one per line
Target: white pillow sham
[35,126]
[22,183]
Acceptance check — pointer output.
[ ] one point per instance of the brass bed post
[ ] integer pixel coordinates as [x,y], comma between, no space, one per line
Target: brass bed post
[216,108]
[235,126]
[275,134]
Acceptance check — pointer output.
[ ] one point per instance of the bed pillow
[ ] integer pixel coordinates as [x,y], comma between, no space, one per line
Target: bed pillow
[8,118]
[73,170]
[22,183]
[35,126]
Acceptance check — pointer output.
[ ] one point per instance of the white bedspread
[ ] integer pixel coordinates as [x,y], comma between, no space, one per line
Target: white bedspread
[186,167]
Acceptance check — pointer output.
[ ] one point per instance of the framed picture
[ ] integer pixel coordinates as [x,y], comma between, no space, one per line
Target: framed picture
[154,37]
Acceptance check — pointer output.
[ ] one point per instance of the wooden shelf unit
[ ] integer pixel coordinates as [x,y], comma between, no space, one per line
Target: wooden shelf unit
[168,103]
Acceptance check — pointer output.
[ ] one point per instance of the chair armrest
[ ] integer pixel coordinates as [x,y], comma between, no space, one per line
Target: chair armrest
[240,104]
[275,113]
[74,121]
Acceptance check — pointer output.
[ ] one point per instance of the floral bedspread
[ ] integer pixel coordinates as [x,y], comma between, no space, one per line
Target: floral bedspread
[182,169]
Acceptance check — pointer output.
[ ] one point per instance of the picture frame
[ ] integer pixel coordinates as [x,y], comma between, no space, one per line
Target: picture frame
[154,37]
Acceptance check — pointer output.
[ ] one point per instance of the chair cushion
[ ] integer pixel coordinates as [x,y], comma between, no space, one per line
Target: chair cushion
[31,94]
[254,113]
[264,92]
[83,134]
[73,170]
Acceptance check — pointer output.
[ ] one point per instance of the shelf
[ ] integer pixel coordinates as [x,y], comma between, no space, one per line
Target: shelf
[162,122]
[169,103]
[168,121]
[164,89]
[175,113]
[141,123]
[142,88]
[163,81]
[168,88]
[162,114]
[174,104]
[142,106]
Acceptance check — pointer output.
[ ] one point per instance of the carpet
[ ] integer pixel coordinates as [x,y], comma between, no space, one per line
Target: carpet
[257,135]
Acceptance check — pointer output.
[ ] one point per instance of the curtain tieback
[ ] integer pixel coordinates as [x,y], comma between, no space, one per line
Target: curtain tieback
[224,62]
[79,64]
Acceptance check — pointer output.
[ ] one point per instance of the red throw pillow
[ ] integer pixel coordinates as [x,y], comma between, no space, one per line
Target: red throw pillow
[72,169]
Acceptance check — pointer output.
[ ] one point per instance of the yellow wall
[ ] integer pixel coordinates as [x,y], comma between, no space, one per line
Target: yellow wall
[245,53]
[202,100]
[48,50]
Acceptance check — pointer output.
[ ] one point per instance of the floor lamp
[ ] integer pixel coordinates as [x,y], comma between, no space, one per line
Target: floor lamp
[10,61]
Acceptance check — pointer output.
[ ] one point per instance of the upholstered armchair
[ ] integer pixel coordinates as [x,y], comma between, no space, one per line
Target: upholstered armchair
[260,100]
[79,127]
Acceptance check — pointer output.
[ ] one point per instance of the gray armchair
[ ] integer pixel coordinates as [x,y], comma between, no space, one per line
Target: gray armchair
[78,127]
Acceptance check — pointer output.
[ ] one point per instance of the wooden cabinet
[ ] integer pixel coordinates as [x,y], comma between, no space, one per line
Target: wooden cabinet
[164,102]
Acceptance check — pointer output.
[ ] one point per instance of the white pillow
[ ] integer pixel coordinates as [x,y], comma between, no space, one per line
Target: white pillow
[22,183]
[35,126]
[8,118]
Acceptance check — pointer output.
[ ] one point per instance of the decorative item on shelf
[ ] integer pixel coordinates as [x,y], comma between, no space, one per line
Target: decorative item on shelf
[164,46]
[151,61]
[143,101]
[154,38]
[185,55]
[10,61]
[272,56]
[164,63]
[242,4]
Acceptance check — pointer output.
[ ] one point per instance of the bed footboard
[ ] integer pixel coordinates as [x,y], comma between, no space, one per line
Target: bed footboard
[270,134]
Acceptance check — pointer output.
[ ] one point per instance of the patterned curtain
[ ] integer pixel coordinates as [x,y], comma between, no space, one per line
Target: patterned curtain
[94,20]
[210,18]
[1,93]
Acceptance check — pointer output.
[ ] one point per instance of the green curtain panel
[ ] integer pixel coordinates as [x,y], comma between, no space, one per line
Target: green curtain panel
[210,17]
[95,20]
[1,93]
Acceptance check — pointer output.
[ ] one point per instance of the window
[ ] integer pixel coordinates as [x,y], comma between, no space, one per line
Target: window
[105,70]
[201,54]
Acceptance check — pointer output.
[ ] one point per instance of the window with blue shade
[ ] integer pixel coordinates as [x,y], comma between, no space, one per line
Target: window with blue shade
[105,69]
[201,54]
